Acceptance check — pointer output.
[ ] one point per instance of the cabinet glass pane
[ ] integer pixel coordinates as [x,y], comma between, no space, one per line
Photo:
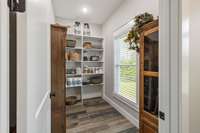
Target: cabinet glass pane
[151,52]
[151,95]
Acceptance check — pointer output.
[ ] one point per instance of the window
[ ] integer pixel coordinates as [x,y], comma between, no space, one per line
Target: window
[126,71]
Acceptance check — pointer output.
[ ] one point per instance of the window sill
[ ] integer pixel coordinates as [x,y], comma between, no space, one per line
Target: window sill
[127,102]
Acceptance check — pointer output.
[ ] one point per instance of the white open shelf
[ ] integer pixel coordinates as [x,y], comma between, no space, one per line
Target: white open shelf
[73,75]
[94,84]
[69,61]
[90,74]
[78,36]
[76,48]
[89,90]
[93,49]
[74,36]
[72,86]
[93,61]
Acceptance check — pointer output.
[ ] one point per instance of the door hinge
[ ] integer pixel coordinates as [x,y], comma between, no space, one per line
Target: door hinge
[162,115]
[17,5]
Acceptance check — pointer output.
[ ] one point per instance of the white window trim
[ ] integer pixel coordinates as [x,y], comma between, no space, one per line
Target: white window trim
[134,105]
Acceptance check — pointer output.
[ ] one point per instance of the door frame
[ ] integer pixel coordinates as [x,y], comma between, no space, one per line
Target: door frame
[170,65]
[4,67]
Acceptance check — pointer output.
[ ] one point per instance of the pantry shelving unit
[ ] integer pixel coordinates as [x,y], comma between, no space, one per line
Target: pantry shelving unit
[85,91]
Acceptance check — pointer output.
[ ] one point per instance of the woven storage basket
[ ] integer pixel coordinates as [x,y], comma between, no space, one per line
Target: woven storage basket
[66,56]
[87,45]
[75,56]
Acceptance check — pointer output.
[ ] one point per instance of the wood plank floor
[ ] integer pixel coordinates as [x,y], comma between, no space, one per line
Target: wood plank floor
[97,116]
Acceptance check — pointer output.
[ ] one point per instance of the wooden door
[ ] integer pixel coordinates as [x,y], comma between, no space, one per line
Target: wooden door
[149,77]
[58,35]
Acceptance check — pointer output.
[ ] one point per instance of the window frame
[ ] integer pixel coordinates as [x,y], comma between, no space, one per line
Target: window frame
[122,31]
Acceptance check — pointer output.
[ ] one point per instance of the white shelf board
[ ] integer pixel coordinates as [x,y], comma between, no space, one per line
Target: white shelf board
[75,48]
[85,85]
[93,62]
[93,37]
[85,36]
[74,35]
[73,61]
[72,86]
[94,84]
[71,75]
[93,49]
[88,74]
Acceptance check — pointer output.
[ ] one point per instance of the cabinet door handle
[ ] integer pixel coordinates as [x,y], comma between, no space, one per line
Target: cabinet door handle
[161,115]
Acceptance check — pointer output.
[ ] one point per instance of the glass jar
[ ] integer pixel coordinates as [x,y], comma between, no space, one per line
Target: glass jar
[86,29]
[77,28]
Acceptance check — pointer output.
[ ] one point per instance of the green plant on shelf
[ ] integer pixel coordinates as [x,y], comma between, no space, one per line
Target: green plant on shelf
[133,36]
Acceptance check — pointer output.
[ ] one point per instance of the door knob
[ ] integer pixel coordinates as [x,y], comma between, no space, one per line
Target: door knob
[52,94]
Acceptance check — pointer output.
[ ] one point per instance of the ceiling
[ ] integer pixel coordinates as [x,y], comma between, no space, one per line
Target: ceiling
[92,11]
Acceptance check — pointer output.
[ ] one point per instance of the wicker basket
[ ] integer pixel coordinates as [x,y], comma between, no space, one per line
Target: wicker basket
[66,56]
[75,56]
[87,45]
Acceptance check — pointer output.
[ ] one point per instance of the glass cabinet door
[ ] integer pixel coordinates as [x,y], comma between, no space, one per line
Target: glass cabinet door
[149,78]
[151,52]
[151,69]
[151,95]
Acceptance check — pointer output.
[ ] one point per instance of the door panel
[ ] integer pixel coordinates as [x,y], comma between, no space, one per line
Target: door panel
[149,78]
[147,129]
[58,35]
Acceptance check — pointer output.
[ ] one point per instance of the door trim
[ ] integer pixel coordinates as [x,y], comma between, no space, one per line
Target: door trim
[170,72]
[4,67]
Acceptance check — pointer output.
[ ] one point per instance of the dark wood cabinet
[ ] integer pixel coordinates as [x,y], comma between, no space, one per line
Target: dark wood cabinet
[58,93]
[149,78]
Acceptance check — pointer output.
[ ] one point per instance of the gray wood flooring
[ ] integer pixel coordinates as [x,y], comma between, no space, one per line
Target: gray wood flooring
[97,116]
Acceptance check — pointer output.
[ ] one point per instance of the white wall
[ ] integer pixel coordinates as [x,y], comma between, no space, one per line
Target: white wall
[21,73]
[190,66]
[34,67]
[125,13]
[185,66]
[96,29]
[194,55]
[4,67]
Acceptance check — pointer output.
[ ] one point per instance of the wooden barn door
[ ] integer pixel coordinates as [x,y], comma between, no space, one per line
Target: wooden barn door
[58,123]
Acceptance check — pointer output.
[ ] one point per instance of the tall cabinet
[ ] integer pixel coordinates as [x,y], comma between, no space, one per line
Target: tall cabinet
[149,78]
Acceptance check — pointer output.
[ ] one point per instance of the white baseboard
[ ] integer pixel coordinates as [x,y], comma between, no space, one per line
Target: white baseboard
[126,114]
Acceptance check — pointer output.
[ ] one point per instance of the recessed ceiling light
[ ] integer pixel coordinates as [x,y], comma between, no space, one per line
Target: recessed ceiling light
[85,10]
